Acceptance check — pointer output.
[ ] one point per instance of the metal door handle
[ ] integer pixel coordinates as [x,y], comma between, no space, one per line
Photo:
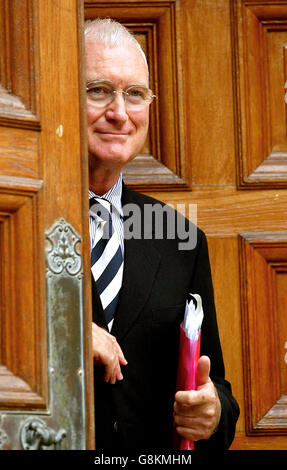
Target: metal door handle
[36,435]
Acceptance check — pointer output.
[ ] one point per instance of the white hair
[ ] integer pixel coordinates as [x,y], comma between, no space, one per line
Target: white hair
[111,33]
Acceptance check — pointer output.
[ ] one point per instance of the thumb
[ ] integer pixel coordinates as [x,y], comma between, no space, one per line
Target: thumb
[202,371]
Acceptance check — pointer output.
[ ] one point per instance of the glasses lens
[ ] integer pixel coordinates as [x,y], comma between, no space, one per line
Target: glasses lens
[103,93]
[100,92]
[138,95]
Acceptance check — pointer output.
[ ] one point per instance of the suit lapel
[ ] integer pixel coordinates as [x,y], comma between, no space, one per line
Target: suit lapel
[141,263]
[140,267]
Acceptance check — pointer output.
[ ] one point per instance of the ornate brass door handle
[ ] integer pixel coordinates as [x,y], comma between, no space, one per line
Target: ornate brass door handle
[36,435]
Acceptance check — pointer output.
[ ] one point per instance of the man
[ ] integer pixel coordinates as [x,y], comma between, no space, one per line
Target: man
[136,348]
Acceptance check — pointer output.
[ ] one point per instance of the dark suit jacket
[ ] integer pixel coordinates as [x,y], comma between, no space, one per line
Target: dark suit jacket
[157,280]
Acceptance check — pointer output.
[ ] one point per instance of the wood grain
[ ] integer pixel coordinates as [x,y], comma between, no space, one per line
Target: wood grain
[263,255]
[24,358]
[43,178]
[259,38]
[234,62]
[218,140]
[19,152]
[163,163]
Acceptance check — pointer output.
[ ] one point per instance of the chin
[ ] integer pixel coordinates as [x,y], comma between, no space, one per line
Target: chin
[111,158]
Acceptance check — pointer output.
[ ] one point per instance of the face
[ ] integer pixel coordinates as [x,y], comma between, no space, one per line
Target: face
[115,135]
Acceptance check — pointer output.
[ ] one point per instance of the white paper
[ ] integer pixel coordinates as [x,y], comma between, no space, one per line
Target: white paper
[193,317]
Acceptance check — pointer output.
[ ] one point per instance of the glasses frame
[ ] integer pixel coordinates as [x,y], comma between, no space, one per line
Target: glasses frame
[124,93]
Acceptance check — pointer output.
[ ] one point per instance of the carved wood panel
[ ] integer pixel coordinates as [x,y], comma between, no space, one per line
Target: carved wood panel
[231,58]
[43,359]
[163,163]
[22,356]
[18,64]
[260,74]
[264,282]
[23,381]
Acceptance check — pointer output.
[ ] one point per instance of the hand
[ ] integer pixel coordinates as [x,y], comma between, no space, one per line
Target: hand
[197,412]
[108,353]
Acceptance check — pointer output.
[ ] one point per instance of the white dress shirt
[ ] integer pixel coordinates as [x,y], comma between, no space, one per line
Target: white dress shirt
[114,196]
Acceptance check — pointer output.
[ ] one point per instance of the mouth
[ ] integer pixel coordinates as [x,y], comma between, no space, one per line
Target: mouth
[112,133]
[112,137]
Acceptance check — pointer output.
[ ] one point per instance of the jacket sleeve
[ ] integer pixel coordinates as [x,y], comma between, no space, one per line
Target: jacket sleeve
[210,346]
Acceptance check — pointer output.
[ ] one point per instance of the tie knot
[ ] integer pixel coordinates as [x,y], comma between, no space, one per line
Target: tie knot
[101,208]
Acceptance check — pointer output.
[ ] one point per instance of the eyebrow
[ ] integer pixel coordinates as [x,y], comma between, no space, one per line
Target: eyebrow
[106,80]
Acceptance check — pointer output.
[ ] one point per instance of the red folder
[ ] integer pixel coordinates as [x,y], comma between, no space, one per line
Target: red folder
[189,351]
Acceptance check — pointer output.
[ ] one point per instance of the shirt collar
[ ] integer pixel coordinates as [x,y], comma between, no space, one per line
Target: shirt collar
[114,195]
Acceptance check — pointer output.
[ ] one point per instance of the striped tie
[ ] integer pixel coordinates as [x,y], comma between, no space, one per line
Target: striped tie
[106,257]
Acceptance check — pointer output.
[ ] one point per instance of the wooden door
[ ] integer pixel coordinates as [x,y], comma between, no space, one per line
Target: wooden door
[45,370]
[218,140]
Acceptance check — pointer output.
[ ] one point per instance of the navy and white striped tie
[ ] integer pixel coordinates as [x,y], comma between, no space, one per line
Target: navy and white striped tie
[106,257]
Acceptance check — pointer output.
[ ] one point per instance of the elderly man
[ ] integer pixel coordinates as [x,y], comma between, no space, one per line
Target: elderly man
[140,285]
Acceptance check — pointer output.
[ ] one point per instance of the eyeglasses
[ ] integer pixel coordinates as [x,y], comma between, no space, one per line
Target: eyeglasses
[102,93]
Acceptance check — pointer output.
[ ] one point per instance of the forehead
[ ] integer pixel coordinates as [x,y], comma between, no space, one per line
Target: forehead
[121,64]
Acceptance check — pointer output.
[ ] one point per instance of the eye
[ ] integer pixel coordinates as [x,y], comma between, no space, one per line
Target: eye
[137,93]
[98,91]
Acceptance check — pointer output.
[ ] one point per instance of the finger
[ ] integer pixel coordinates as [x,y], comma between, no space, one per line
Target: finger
[113,368]
[190,398]
[187,421]
[113,373]
[195,429]
[190,433]
[119,375]
[121,356]
[203,370]
[186,433]
[109,372]
[109,359]
[108,353]
[119,351]
[188,411]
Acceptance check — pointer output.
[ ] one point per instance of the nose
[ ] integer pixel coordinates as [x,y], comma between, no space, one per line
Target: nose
[116,110]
